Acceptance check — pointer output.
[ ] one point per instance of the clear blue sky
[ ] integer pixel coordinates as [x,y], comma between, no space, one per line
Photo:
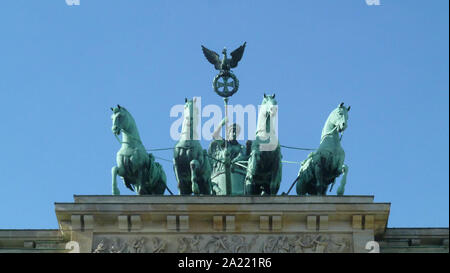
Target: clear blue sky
[62,68]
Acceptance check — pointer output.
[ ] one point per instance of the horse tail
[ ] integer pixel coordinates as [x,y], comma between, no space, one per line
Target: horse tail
[162,181]
[207,167]
[156,176]
[206,163]
[306,175]
[157,179]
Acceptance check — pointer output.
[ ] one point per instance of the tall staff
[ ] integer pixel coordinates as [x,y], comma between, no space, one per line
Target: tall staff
[225,84]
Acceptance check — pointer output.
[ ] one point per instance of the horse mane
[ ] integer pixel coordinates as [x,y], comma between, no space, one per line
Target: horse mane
[131,122]
[262,120]
[326,131]
[195,120]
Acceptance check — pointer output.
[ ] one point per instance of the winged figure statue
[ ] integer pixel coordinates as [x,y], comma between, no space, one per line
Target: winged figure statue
[225,64]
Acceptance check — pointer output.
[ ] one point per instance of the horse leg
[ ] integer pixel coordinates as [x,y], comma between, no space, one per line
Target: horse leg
[161,182]
[114,172]
[140,185]
[304,180]
[341,189]
[319,180]
[205,184]
[181,184]
[206,174]
[249,179]
[215,189]
[276,179]
[301,187]
[194,177]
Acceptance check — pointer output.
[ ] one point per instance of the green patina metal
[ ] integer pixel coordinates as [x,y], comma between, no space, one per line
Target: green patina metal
[229,168]
[190,162]
[227,176]
[322,167]
[138,169]
[225,78]
[264,165]
[219,151]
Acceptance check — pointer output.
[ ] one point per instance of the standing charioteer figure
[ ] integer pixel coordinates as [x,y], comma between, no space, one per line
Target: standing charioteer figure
[238,155]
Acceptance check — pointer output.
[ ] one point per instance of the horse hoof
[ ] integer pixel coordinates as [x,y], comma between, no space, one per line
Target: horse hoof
[195,188]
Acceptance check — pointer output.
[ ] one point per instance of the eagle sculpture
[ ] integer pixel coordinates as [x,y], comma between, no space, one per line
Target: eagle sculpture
[225,64]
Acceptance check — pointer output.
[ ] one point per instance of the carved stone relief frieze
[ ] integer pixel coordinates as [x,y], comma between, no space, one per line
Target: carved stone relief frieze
[212,243]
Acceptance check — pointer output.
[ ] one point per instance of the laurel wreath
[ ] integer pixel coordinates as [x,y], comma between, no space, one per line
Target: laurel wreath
[225,74]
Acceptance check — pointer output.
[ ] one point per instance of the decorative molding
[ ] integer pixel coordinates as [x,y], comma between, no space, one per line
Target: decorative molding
[88,221]
[136,222]
[369,222]
[276,222]
[236,243]
[184,222]
[357,222]
[264,222]
[230,224]
[311,222]
[306,243]
[171,222]
[123,222]
[323,222]
[218,223]
[75,221]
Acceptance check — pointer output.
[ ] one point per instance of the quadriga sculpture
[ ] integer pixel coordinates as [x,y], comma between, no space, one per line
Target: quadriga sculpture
[264,165]
[324,165]
[138,168]
[190,162]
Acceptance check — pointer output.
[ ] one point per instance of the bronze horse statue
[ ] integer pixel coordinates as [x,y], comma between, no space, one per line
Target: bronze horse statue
[138,168]
[190,161]
[323,166]
[264,165]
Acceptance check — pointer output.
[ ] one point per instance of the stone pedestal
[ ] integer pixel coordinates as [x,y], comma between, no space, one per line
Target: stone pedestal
[228,224]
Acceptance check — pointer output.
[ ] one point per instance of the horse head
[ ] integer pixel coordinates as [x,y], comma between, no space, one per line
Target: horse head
[267,115]
[269,106]
[123,122]
[120,119]
[190,114]
[190,108]
[339,117]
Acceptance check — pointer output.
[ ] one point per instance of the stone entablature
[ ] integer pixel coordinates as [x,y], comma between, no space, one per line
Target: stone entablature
[31,240]
[414,240]
[239,224]
[223,224]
